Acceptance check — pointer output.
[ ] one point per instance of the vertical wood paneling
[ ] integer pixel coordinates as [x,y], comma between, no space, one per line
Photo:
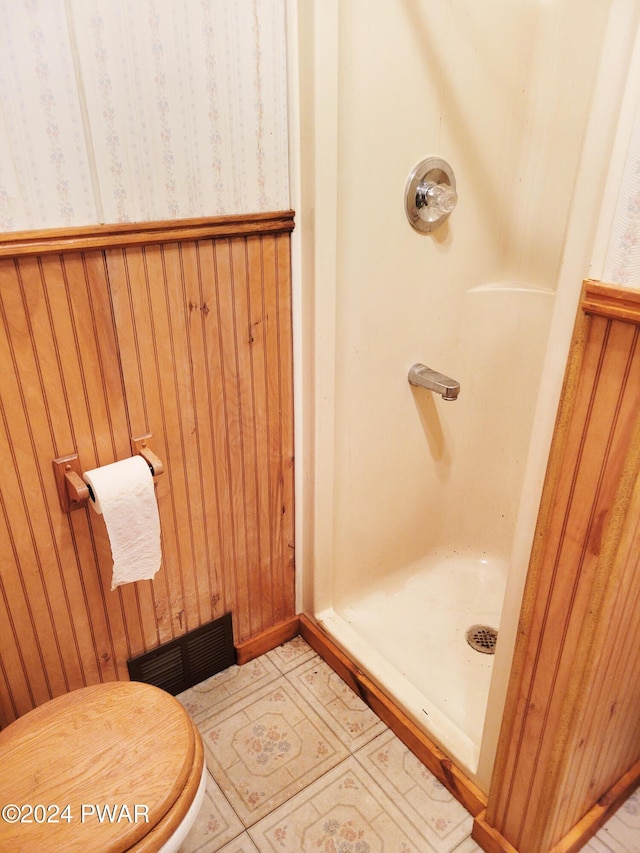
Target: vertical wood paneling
[25,488]
[255,335]
[197,297]
[571,725]
[282,447]
[604,735]
[227,412]
[144,606]
[208,310]
[189,339]
[245,458]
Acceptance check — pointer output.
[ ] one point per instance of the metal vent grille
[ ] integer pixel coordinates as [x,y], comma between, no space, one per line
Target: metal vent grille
[482,638]
[190,659]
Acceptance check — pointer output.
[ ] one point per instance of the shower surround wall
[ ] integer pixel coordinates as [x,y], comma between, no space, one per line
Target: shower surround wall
[405,483]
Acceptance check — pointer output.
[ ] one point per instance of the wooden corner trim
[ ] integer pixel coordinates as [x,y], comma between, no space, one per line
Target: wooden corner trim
[613,301]
[600,813]
[267,640]
[492,841]
[488,837]
[56,240]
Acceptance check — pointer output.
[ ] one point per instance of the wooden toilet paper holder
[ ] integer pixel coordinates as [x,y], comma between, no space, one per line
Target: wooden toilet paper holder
[72,489]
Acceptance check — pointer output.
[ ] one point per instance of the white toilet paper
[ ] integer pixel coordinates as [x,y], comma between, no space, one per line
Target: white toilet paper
[125,496]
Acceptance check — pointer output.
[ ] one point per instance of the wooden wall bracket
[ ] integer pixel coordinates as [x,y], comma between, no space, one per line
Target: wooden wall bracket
[139,447]
[74,492]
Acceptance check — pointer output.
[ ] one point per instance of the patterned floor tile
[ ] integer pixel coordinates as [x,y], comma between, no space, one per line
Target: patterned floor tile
[216,823]
[242,844]
[291,654]
[468,846]
[596,846]
[278,732]
[227,687]
[267,747]
[423,800]
[343,811]
[344,711]
[621,834]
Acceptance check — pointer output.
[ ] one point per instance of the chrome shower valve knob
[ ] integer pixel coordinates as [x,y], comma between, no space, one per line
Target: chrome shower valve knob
[430,194]
[435,201]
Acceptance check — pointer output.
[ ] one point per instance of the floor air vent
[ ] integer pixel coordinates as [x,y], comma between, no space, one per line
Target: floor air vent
[181,663]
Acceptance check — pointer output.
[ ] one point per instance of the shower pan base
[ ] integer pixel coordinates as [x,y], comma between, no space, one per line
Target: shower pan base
[411,638]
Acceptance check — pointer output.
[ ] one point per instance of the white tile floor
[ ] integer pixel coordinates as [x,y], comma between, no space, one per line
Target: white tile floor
[298,764]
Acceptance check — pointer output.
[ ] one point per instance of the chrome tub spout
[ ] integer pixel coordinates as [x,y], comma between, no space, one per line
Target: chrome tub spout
[424,377]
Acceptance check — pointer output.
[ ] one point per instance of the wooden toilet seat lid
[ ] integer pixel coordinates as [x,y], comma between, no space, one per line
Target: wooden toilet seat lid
[95,769]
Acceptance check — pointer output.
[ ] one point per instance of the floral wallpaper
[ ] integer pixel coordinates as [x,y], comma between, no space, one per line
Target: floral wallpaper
[158,109]
[125,111]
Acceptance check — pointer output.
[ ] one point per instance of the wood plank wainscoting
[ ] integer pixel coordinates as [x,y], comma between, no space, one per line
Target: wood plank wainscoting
[569,748]
[177,329]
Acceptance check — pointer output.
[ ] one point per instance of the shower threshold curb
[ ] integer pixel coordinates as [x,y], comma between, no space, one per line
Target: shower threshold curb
[434,759]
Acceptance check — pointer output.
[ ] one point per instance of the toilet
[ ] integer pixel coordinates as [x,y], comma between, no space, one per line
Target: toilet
[112,768]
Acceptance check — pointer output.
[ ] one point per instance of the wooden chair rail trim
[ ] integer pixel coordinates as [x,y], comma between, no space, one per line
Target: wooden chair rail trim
[47,241]
[611,300]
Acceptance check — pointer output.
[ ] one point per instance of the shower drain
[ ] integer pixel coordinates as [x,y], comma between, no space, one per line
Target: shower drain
[482,638]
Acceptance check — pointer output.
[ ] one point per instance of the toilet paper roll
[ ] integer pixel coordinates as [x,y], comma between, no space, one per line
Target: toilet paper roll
[124,495]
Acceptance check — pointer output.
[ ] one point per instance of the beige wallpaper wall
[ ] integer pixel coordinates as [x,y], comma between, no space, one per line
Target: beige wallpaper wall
[123,112]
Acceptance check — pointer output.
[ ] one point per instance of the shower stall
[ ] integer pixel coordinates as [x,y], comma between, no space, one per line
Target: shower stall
[417,512]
